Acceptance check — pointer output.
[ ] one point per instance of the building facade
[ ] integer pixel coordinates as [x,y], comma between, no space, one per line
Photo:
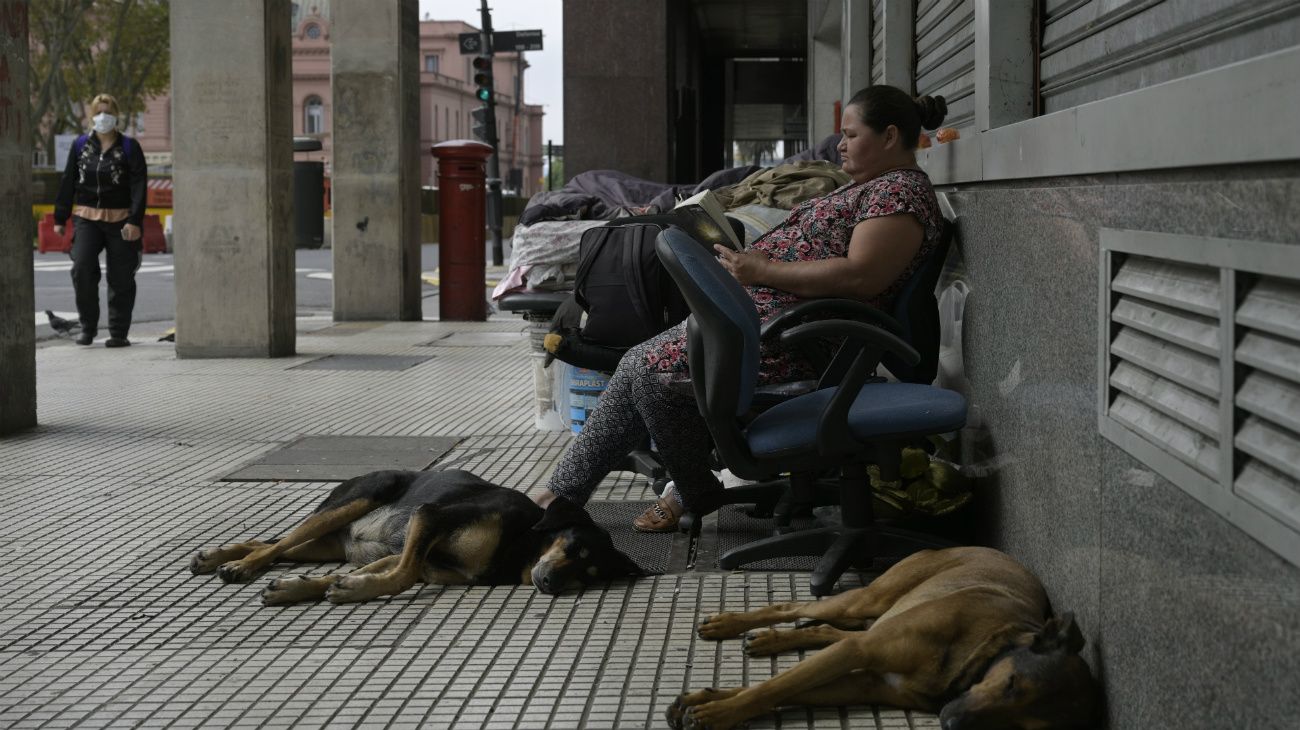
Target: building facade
[446,101]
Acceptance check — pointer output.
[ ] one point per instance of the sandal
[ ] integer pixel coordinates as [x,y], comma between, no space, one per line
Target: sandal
[658,517]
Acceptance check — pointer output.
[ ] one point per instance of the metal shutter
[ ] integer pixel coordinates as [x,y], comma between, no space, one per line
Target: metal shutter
[1094,49]
[877,41]
[945,56]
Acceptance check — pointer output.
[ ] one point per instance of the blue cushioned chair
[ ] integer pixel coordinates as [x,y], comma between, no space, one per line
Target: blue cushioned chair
[856,421]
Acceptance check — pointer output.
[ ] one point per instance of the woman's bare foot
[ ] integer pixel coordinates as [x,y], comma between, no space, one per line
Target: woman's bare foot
[544,498]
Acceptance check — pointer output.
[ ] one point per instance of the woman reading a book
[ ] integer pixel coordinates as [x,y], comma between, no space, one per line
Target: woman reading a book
[861,241]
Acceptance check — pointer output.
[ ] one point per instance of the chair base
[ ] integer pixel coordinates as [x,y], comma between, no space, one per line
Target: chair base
[840,548]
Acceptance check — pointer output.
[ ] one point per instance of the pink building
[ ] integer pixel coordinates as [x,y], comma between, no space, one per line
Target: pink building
[446,100]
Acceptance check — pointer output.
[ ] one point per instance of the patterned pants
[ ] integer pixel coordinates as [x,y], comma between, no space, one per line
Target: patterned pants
[637,402]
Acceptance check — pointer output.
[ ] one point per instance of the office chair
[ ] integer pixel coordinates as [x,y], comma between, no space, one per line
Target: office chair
[846,425]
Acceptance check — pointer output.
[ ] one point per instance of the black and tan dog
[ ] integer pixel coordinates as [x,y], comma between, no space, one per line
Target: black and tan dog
[964,632]
[447,527]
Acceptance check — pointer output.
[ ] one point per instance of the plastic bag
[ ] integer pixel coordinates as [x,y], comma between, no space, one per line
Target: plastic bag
[952,368]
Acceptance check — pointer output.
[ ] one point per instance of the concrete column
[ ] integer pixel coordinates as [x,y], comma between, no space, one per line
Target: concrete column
[898,44]
[855,47]
[616,106]
[825,83]
[17,300]
[1004,62]
[376,173]
[232,135]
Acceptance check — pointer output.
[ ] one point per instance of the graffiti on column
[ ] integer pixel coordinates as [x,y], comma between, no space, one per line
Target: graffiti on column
[13,31]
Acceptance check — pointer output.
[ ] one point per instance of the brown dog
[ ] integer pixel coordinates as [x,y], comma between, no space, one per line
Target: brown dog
[966,632]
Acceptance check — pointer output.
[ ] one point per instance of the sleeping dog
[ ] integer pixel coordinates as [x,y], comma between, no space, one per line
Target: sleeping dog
[447,527]
[964,632]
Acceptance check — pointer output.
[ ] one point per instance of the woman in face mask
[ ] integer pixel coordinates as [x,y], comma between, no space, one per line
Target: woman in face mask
[103,189]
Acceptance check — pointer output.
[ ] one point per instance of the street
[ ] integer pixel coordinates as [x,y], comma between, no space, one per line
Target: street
[156,287]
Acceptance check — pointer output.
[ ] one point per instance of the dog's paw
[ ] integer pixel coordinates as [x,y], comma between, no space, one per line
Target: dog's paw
[291,589]
[676,712]
[762,643]
[350,589]
[204,562]
[236,572]
[708,716]
[720,626]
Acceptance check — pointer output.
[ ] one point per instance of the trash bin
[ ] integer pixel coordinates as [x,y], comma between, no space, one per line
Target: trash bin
[308,196]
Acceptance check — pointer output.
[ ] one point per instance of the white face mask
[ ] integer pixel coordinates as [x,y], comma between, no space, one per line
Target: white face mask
[104,122]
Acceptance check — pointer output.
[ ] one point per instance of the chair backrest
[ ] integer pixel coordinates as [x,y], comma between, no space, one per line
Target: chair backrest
[724,364]
[917,310]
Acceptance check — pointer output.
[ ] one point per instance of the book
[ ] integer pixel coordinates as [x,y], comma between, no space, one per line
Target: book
[707,222]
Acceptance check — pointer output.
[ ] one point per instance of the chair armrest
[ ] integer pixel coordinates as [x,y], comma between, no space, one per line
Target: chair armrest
[865,334]
[815,309]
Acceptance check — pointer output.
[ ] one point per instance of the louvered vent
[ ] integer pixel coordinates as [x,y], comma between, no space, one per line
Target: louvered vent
[1165,354]
[1268,400]
[1200,372]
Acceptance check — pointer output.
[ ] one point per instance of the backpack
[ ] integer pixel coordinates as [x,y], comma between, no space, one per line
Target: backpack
[620,283]
[80,142]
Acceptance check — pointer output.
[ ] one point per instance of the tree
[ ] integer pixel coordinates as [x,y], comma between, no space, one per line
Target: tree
[80,48]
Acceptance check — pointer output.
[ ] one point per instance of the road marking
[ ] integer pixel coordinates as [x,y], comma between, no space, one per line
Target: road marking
[67,266]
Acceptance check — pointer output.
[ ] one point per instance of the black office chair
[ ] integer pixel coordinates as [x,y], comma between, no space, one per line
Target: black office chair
[914,318]
[845,426]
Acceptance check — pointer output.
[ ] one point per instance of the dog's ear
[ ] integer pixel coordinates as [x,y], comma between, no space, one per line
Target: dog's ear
[562,513]
[1060,632]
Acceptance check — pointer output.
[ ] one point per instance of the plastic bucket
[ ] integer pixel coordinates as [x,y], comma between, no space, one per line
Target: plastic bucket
[585,387]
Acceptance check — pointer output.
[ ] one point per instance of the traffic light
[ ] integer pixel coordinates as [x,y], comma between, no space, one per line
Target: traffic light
[483,124]
[483,78]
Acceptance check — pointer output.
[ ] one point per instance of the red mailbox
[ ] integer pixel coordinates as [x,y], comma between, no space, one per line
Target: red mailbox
[462,205]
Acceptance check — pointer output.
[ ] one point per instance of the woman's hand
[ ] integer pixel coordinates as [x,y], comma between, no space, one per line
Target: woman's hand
[58,230]
[130,232]
[749,266]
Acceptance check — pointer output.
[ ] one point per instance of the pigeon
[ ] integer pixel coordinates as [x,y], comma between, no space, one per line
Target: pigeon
[61,325]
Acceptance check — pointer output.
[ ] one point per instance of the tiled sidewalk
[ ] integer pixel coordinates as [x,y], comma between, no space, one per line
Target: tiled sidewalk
[103,625]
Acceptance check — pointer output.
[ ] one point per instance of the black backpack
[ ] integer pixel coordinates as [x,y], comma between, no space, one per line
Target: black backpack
[627,295]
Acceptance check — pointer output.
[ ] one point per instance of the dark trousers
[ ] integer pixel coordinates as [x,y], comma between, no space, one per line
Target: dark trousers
[89,238]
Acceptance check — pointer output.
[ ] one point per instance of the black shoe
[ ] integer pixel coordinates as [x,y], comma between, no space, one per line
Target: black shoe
[117,342]
[86,338]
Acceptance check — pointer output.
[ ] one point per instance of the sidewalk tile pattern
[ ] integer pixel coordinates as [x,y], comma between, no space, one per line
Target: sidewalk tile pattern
[102,624]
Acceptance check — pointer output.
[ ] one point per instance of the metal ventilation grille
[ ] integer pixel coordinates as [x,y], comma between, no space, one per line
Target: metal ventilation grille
[1268,400]
[1165,353]
[1199,371]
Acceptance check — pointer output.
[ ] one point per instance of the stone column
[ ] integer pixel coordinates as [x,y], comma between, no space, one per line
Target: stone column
[855,47]
[898,23]
[17,300]
[232,135]
[1004,62]
[615,88]
[374,48]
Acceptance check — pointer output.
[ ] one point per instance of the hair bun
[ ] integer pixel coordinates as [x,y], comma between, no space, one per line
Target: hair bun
[932,110]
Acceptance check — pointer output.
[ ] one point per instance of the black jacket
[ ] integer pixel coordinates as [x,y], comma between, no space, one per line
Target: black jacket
[103,179]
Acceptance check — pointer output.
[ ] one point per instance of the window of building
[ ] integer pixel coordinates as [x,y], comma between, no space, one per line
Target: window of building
[431,63]
[313,116]
[435,121]
[313,31]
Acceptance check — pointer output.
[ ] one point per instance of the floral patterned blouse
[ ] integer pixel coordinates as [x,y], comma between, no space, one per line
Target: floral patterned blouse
[820,229]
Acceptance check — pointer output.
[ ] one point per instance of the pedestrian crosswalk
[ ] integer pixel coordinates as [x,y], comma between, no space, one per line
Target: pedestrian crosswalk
[41,267]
